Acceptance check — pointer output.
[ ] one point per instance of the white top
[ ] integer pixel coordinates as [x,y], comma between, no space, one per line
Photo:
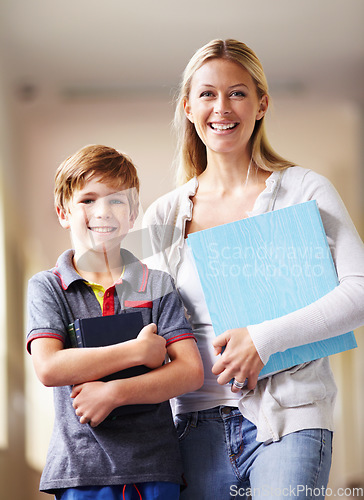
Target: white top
[303,397]
[211,394]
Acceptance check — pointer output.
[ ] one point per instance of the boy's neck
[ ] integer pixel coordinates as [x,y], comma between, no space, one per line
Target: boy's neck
[98,267]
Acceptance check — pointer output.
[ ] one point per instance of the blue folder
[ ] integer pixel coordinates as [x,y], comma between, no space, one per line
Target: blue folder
[264,267]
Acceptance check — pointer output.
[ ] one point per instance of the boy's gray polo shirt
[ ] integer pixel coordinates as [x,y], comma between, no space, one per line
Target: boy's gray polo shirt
[132,448]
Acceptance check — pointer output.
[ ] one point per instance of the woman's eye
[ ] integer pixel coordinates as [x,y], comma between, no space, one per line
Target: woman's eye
[116,202]
[237,93]
[206,93]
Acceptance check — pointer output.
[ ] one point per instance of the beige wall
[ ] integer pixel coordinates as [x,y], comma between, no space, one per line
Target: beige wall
[323,137]
[17,479]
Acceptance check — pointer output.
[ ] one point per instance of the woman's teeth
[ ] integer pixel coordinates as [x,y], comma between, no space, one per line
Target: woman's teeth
[223,126]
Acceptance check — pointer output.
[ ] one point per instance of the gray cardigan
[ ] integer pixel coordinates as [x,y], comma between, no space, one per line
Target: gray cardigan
[304,396]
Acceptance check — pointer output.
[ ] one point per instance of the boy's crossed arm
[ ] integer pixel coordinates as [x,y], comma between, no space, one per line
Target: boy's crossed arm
[94,401]
[56,366]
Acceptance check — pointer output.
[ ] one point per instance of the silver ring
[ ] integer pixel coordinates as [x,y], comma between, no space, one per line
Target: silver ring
[238,385]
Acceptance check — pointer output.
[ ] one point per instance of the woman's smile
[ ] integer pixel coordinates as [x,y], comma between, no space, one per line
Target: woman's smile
[223,126]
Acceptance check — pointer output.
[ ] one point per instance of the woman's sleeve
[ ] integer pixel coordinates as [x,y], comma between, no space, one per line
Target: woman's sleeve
[341,310]
[160,235]
[150,226]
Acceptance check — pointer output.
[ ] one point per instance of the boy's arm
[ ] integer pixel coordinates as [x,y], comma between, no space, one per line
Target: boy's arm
[47,332]
[56,366]
[184,373]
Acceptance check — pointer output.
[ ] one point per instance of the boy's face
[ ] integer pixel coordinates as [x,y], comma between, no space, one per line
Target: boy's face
[98,216]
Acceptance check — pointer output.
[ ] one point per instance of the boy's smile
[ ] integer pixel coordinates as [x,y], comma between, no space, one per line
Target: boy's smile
[102,229]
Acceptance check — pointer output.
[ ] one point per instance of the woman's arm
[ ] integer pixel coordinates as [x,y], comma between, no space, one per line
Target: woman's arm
[338,312]
[342,309]
[56,366]
[184,373]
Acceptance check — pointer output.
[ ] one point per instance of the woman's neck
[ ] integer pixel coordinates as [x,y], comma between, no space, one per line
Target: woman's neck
[226,192]
[226,175]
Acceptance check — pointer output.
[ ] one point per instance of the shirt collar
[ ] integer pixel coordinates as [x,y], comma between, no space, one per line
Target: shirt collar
[65,271]
[136,273]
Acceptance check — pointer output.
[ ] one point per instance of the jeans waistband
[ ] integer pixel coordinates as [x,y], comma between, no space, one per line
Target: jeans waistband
[213,413]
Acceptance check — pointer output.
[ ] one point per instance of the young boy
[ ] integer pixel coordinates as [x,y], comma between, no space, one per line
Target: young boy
[134,455]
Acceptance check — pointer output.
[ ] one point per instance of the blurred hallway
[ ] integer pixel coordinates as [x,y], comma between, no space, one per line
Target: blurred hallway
[78,73]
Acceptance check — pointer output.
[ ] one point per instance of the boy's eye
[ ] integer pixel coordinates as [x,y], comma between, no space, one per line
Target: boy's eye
[118,200]
[87,201]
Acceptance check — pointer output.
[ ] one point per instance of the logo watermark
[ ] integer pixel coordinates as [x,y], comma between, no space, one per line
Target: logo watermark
[300,490]
[266,261]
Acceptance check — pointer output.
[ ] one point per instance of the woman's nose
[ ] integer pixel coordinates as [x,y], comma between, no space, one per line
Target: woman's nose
[222,105]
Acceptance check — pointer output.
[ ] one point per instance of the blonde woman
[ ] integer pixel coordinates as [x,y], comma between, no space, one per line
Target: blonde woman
[273,438]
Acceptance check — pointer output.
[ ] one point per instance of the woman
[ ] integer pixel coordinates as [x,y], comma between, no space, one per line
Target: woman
[273,437]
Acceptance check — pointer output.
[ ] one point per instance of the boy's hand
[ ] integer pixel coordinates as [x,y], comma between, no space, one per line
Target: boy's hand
[93,402]
[152,347]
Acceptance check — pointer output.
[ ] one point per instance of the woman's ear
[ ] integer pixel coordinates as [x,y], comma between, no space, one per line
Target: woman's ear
[263,107]
[187,109]
[63,217]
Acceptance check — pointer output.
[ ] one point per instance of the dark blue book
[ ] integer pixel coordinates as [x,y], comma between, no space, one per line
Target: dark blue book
[108,330]
[264,267]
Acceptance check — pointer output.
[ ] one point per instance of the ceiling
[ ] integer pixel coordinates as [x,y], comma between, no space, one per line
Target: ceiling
[92,47]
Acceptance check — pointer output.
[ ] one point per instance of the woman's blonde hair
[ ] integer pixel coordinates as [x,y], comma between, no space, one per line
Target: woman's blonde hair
[191,151]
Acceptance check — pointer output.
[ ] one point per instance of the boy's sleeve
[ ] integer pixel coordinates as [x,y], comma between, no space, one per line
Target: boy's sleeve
[172,323]
[44,311]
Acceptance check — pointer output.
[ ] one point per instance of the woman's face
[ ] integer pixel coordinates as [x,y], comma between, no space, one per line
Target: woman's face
[223,105]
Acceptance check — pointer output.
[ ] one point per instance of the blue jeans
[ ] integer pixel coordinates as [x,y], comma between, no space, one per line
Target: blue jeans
[222,459]
[140,491]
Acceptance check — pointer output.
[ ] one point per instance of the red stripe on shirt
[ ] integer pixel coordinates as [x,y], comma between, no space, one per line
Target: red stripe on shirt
[63,284]
[43,335]
[138,303]
[145,278]
[182,336]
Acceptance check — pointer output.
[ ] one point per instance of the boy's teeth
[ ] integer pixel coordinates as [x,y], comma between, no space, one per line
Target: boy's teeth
[221,126]
[102,229]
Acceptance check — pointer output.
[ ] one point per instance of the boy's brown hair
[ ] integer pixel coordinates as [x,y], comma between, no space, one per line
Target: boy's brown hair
[113,167]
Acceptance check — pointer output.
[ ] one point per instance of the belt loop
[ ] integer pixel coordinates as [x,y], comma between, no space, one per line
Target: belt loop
[194,418]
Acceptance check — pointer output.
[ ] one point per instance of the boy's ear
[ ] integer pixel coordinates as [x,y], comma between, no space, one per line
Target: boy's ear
[132,220]
[63,217]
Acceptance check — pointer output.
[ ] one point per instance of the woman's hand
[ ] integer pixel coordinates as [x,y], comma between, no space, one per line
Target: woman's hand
[239,360]
[93,401]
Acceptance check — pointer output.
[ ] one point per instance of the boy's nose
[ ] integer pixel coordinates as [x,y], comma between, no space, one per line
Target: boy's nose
[102,209]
